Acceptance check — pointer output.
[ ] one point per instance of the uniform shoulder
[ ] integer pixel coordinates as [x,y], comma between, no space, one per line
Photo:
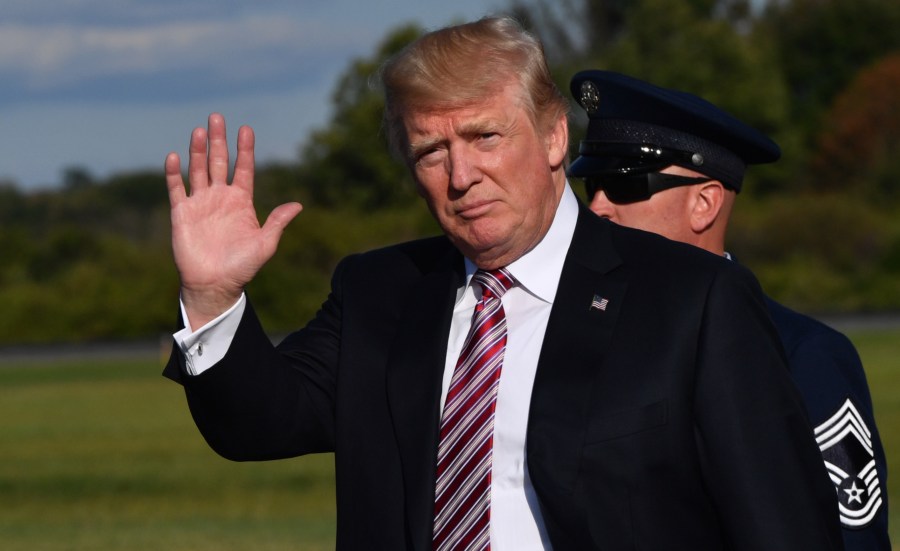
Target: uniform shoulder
[797,329]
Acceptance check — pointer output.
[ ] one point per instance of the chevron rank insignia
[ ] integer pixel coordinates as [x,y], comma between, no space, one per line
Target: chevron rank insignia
[846,445]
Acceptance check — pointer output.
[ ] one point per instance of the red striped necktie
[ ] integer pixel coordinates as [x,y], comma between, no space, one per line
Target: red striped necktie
[463,492]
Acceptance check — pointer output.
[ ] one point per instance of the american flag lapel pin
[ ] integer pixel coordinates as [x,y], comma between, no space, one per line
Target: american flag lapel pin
[599,303]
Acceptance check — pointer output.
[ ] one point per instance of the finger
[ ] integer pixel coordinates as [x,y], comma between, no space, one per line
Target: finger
[174,181]
[197,168]
[218,150]
[275,224]
[244,165]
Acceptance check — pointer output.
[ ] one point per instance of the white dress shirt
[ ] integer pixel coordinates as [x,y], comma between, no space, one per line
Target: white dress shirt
[516,523]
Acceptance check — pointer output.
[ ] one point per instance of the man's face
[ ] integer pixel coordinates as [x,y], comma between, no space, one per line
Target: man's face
[489,178]
[666,212]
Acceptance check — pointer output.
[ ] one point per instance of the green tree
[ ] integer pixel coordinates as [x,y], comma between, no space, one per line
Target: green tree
[347,162]
[685,45]
[705,47]
[859,145]
[12,204]
[821,44]
[569,28]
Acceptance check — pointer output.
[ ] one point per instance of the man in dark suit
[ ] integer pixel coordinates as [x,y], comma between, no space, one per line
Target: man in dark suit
[695,209]
[644,401]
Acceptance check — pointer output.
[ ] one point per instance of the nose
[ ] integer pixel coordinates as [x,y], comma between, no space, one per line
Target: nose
[463,169]
[601,206]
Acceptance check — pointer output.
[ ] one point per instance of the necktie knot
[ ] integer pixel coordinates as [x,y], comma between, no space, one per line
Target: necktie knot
[494,283]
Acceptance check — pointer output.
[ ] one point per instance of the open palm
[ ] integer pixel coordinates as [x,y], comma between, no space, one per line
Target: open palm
[217,240]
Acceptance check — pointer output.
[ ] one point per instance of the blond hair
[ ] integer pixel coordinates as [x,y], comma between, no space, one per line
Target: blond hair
[465,64]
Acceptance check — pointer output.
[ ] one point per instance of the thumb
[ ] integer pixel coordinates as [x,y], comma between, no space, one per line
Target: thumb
[277,221]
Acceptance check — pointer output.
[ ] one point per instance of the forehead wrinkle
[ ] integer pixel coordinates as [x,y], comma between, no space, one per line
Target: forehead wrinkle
[426,139]
[464,121]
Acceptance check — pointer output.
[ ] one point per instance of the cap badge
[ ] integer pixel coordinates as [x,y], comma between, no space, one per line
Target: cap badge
[590,97]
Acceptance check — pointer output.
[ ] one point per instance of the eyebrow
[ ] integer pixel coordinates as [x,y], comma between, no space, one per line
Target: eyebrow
[473,128]
[465,129]
[423,144]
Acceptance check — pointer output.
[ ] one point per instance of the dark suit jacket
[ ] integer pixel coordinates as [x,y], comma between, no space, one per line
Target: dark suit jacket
[829,374]
[667,421]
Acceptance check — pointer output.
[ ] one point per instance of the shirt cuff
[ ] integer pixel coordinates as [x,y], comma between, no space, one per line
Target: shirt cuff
[205,347]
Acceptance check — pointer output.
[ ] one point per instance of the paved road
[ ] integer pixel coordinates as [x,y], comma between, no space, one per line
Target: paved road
[146,349]
[150,349]
[863,322]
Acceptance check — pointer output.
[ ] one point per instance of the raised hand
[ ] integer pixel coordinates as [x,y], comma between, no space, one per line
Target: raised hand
[217,241]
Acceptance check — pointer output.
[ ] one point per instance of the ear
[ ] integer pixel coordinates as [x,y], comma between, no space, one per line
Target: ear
[707,204]
[558,141]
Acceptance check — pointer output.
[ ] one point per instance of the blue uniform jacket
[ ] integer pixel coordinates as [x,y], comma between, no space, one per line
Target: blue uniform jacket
[829,375]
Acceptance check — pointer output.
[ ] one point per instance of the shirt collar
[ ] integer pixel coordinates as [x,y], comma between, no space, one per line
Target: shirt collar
[538,270]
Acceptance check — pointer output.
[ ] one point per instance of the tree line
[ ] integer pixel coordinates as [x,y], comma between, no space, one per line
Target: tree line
[91,258]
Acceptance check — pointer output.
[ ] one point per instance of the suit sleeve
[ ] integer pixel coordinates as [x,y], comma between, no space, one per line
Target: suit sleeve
[264,402]
[829,375]
[759,458]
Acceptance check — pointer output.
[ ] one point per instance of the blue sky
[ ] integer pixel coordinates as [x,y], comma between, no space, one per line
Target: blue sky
[114,85]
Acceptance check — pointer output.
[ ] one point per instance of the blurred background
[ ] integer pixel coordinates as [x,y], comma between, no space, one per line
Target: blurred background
[97,451]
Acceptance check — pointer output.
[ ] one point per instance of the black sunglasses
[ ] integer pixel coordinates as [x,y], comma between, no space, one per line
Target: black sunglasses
[632,188]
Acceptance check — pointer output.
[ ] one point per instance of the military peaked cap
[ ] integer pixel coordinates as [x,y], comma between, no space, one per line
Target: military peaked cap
[636,126]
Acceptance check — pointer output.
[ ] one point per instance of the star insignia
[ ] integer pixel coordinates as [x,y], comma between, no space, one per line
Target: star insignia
[854,493]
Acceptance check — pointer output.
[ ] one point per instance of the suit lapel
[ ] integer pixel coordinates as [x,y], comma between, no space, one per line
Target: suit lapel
[581,323]
[416,366]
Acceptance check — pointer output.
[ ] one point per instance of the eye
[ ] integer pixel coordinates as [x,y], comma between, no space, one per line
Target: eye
[428,157]
[488,139]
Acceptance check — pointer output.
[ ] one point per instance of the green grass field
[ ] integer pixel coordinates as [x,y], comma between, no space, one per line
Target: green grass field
[104,456]
[880,353]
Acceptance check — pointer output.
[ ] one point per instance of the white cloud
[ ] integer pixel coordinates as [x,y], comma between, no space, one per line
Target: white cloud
[113,85]
[53,55]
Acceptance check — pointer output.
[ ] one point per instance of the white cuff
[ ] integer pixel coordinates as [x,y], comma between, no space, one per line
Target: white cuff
[205,347]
